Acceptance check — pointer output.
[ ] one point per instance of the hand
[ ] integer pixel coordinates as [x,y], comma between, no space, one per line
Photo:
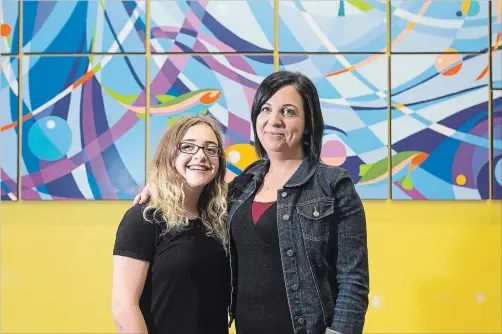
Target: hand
[141,197]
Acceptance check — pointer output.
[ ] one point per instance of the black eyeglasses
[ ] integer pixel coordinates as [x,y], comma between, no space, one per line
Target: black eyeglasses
[191,148]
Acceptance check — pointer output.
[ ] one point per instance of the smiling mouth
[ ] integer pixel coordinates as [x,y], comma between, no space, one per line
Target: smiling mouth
[275,136]
[199,168]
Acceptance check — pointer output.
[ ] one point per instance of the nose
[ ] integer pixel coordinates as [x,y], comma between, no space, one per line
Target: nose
[200,155]
[275,118]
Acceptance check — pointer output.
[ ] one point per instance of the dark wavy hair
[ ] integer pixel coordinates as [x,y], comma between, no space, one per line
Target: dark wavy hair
[314,123]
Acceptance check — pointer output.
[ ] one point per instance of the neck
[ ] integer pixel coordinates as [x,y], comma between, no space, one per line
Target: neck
[283,164]
[191,202]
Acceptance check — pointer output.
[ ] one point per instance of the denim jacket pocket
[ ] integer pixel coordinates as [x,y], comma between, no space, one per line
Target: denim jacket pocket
[314,218]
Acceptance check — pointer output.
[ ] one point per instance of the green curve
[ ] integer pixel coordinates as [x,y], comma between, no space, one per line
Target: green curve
[361,5]
[374,170]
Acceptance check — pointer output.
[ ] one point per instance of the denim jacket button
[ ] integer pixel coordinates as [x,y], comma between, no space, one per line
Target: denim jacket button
[284,194]
[301,321]
[285,217]
[295,286]
[290,252]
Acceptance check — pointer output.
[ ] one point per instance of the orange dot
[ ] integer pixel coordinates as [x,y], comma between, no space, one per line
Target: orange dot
[449,63]
[5,29]
[453,70]
[461,179]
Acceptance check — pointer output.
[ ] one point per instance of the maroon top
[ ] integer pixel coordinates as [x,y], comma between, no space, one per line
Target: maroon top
[258,209]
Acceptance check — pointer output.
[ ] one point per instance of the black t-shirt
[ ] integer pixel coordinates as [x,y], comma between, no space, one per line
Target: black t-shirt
[187,288]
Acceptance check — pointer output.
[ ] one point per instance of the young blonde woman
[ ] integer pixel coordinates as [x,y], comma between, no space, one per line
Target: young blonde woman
[170,269]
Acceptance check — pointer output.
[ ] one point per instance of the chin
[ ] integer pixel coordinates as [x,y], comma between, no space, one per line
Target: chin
[274,148]
[198,184]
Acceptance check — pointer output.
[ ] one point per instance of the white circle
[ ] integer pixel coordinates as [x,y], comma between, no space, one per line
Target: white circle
[50,124]
[376,302]
[480,297]
[222,9]
[234,157]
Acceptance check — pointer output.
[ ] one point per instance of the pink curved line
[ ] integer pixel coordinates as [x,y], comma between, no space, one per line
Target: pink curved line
[9,183]
[414,194]
[162,110]
[171,32]
[410,26]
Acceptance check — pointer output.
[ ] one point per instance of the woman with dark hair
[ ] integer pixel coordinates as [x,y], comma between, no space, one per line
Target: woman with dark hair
[297,226]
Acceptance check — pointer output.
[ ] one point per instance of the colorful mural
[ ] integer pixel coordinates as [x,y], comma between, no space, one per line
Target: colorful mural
[496,21]
[354,105]
[440,117]
[81,139]
[217,85]
[9,127]
[332,26]
[9,32]
[439,26]
[408,124]
[497,144]
[212,26]
[107,26]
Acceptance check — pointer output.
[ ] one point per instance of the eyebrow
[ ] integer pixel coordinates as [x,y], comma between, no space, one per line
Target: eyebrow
[289,105]
[284,105]
[206,142]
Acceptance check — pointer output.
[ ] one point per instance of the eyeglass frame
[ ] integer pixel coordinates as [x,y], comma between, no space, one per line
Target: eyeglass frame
[200,147]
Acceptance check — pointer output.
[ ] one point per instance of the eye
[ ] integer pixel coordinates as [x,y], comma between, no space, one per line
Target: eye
[265,109]
[289,112]
[212,150]
[187,146]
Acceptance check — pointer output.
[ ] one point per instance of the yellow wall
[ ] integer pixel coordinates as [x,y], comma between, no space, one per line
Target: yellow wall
[428,262]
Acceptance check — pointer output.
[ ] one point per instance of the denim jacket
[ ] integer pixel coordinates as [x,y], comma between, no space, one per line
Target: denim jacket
[322,239]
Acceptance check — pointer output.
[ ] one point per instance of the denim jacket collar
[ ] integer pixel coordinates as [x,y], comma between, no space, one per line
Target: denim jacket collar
[299,178]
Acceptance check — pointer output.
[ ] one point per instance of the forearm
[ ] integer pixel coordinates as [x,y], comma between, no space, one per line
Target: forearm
[350,309]
[353,280]
[352,261]
[129,319]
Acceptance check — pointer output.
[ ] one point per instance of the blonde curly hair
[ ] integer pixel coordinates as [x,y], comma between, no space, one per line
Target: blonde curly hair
[166,185]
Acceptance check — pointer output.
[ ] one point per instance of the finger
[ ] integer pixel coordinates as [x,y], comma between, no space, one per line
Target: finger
[136,200]
[142,199]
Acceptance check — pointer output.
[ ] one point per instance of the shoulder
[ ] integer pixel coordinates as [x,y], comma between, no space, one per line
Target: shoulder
[252,168]
[134,213]
[342,187]
[246,173]
[136,237]
[134,219]
[331,173]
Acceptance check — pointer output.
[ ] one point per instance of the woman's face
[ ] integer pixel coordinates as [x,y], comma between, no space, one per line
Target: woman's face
[281,122]
[196,165]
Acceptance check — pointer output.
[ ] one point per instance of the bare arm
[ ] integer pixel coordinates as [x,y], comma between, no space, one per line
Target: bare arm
[128,281]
